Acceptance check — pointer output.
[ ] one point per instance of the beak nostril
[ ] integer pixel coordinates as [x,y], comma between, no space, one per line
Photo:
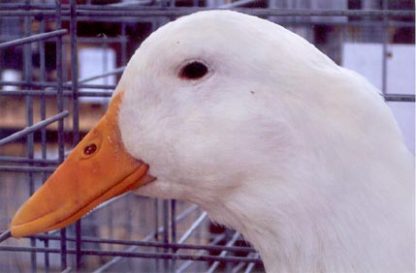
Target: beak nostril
[90,149]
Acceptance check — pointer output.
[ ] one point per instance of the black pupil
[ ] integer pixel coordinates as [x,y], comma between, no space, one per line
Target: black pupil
[90,149]
[194,70]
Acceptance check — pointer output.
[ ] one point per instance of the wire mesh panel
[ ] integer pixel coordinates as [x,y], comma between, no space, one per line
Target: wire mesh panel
[59,64]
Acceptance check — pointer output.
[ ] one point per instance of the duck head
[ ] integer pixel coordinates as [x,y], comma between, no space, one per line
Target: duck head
[194,114]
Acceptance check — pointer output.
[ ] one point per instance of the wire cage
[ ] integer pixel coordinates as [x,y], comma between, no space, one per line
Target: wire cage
[60,62]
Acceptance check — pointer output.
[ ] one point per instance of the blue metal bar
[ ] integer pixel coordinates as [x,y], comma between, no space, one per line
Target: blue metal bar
[36,8]
[90,11]
[224,253]
[150,12]
[240,265]
[75,117]
[110,73]
[30,129]
[251,266]
[387,97]
[60,107]
[27,75]
[145,241]
[236,4]
[193,227]
[399,97]
[385,36]
[17,159]
[185,265]
[133,254]
[123,43]
[5,235]
[14,6]
[25,169]
[113,261]
[36,93]
[179,245]
[173,230]
[156,227]
[66,86]
[165,238]
[33,38]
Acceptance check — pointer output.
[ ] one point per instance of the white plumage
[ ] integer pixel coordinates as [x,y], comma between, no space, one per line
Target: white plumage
[298,154]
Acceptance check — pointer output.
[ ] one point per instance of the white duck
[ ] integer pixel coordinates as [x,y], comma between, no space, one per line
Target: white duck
[264,132]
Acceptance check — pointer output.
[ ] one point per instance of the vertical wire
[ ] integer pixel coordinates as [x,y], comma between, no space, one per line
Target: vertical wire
[123,44]
[60,106]
[123,60]
[75,113]
[27,72]
[103,70]
[251,266]
[198,240]
[156,232]
[384,58]
[223,253]
[166,230]
[42,78]
[173,230]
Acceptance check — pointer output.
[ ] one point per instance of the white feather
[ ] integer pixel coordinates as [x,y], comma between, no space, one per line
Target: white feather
[298,154]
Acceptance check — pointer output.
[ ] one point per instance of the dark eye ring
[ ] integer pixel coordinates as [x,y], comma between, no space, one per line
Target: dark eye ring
[193,70]
[90,149]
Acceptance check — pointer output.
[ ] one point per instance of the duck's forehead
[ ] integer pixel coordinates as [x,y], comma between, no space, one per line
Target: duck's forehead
[204,32]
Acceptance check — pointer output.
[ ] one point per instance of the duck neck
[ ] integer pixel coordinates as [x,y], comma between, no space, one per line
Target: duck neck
[303,229]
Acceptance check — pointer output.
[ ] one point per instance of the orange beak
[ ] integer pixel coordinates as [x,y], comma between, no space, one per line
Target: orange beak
[98,169]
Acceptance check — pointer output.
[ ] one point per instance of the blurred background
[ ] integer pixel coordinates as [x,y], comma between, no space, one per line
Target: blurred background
[59,63]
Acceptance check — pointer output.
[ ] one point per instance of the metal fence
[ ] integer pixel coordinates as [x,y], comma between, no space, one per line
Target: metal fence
[43,109]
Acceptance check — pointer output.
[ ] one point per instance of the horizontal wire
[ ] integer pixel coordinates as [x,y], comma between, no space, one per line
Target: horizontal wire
[36,93]
[387,97]
[250,266]
[320,12]
[30,129]
[236,4]
[133,11]
[106,74]
[148,12]
[34,38]
[399,97]
[5,235]
[128,254]
[67,86]
[25,169]
[185,213]
[16,159]
[193,227]
[177,246]
[186,264]
[223,253]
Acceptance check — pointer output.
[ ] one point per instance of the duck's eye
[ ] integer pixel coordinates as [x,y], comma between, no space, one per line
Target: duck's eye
[193,70]
[90,149]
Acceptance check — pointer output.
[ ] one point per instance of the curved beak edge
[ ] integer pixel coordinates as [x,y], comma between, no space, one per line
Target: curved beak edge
[98,169]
